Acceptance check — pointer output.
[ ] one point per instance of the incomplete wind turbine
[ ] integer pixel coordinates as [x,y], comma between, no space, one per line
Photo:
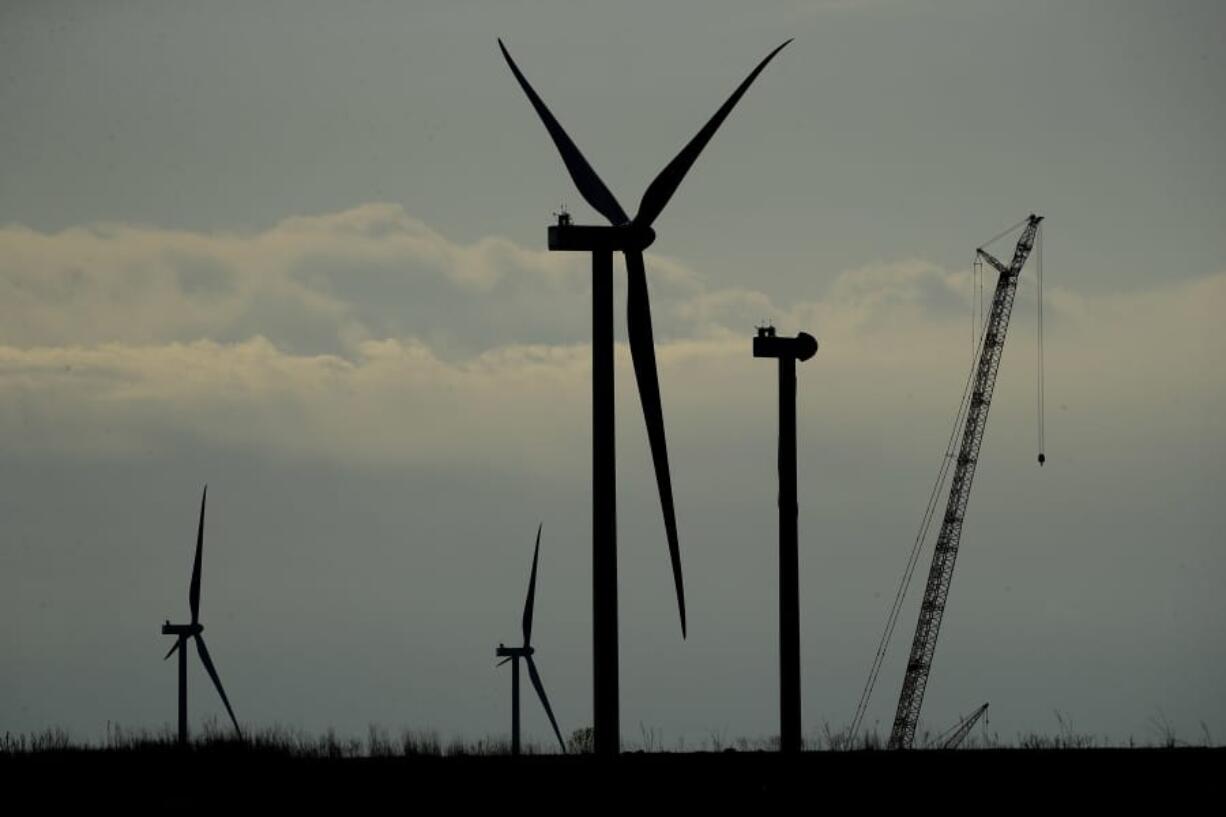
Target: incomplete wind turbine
[788,351]
[193,631]
[630,237]
[513,654]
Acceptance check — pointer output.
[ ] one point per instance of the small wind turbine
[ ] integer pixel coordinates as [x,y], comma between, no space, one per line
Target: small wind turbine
[182,632]
[629,237]
[513,654]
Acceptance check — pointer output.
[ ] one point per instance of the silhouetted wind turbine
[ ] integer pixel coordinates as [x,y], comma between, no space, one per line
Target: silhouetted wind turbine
[193,631]
[513,654]
[630,238]
[788,351]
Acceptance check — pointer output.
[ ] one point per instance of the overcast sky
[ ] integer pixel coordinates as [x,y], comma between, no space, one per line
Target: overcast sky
[297,251]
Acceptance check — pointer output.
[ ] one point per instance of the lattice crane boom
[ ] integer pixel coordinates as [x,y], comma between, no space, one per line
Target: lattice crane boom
[945,553]
[963,728]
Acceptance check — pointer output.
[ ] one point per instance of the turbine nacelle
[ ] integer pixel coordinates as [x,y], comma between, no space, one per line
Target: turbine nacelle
[768,344]
[514,652]
[566,237]
[184,630]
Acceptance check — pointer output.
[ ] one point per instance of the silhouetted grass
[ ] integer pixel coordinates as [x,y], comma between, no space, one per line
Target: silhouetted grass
[281,741]
[286,769]
[269,741]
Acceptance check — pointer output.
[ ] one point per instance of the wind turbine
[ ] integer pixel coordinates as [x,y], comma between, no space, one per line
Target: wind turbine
[788,351]
[182,632]
[513,654]
[630,237]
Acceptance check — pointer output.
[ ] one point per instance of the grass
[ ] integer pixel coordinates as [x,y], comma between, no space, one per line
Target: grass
[379,742]
[269,741]
[287,769]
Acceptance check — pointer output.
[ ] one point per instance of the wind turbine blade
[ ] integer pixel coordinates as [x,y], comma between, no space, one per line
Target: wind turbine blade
[503,661]
[530,602]
[643,353]
[590,186]
[212,670]
[664,185]
[540,693]
[193,597]
[172,650]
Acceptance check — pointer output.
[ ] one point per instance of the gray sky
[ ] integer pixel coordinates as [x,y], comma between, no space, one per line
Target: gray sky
[296,250]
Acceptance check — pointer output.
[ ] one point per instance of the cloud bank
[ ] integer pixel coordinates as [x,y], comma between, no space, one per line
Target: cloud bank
[365,336]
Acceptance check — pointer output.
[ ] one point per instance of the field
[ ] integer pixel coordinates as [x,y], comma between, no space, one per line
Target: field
[279,768]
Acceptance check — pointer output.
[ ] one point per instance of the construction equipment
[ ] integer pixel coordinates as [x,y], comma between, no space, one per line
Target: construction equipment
[971,418]
[963,728]
[945,553]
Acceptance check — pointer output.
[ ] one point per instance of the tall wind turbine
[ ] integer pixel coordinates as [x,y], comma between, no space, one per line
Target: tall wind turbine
[630,237]
[182,632]
[788,351]
[513,654]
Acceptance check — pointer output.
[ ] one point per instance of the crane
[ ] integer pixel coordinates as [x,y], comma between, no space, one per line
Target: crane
[945,553]
[962,729]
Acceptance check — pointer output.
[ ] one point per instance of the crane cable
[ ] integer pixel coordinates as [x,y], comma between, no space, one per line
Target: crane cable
[921,536]
[977,311]
[1004,233]
[934,498]
[1040,396]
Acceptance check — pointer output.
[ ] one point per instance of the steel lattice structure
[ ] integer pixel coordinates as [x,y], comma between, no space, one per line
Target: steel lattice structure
[963,729]
[945,553]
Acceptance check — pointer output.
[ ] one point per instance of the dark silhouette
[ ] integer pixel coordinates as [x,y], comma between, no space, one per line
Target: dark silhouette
[281,774]
[630,238]
[788,351]
[974,410]
[963,728]
[182,632]
[513,654]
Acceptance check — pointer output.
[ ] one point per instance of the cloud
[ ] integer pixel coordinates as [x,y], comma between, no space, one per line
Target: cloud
[365,336]
[310,285]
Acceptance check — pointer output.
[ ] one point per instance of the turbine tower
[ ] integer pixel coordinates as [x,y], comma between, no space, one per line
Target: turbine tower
[630,237]
[194,631]
[513,654]
[788,351]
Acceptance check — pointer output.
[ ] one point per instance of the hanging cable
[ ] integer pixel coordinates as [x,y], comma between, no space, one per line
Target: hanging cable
[982,314]
[921,536]
[983,309]
[1040,397]
[974,303]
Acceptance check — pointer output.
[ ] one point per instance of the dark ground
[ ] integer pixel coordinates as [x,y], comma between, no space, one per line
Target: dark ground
[1170,780]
